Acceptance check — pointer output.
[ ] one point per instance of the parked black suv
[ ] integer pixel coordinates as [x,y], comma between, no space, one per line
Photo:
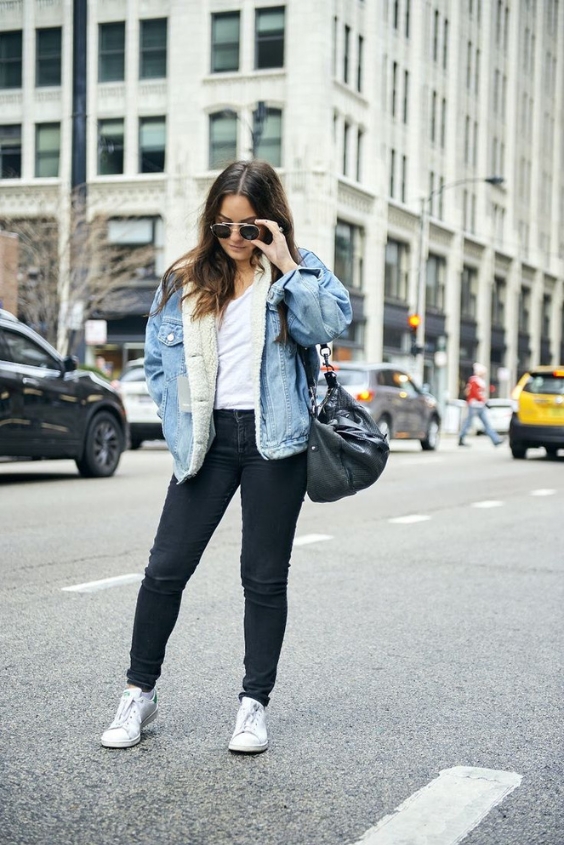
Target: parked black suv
[49,409]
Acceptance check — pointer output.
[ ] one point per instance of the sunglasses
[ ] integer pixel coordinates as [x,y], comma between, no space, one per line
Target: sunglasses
[248,231]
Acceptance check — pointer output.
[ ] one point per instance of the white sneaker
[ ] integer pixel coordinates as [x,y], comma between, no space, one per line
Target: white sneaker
[135,711]
[249,736]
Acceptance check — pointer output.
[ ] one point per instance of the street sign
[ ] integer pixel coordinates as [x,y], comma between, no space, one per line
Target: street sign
[95,332]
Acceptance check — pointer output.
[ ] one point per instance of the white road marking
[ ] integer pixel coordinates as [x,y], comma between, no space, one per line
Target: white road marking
[409,519]
[543,492]
[487,504]
[446,810]
[119,580]
[104,584]
[311,538]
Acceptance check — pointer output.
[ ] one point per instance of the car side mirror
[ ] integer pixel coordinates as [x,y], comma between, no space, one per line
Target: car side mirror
[70,363]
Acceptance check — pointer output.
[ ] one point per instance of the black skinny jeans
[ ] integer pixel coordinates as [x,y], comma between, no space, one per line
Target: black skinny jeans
[272,493]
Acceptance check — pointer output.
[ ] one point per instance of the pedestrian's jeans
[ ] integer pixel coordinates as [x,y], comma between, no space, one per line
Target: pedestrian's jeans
[272,493]
[481,412]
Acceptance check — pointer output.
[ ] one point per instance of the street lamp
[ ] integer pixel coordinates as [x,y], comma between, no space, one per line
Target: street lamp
[416,320]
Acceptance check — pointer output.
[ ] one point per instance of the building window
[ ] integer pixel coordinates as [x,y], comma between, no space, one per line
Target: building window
[433,116]
[346,136]
[225,42]
[48,57]
[407,17]
[405,95]
[111,52]
[110,147]
[403,186]
[395,14]
[443,122]
[11,152]
[47,149]
[152,144]
[11,59]
[394,88]
[269,35]
[392,173]
[524,309]
[498,302]
[359,151]
[359,63]
[346,54]
[546,316]
[269,146]
[334,46]
[445,44]
[349,251]
[223,140]
[435,282]
[469,293]
[153,48]
[396,271]
[436,37]
[144,235]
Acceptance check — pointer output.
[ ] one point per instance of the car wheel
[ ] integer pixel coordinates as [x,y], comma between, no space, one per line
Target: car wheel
[102,448]
[385,426]
[431,441]
[518,452]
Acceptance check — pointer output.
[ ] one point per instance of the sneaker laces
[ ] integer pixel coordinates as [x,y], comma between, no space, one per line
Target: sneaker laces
[124,711]
[250,718]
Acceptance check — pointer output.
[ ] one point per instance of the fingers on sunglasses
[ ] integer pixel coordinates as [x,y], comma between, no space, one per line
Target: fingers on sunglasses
[248,231]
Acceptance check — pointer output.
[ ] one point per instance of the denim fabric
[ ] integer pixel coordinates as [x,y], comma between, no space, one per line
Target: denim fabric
[272,493]
[318,310]
[481,412]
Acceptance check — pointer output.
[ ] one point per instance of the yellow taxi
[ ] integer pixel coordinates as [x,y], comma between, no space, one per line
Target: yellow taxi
[538,416]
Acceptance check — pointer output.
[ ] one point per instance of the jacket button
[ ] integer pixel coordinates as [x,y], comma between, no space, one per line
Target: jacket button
[170,336]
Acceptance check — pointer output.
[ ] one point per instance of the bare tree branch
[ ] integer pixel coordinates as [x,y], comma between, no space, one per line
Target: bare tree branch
[80,268]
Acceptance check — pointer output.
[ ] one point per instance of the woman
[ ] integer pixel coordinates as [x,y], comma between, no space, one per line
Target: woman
[222,364]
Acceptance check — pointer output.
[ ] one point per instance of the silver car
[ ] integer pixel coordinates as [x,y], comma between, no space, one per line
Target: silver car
[144,421]
[401,409]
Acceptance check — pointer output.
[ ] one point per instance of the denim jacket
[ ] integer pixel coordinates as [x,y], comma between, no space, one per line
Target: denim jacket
[181,362]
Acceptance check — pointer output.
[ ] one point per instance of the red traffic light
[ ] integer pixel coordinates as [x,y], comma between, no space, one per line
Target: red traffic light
[414,321]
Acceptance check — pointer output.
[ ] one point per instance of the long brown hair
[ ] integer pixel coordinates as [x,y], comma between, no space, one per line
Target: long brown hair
[207,267]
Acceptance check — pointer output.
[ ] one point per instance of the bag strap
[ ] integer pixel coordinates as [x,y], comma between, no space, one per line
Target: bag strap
[329,373]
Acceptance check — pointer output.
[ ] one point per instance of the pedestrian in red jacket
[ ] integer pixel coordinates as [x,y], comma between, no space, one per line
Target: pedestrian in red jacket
[476,398]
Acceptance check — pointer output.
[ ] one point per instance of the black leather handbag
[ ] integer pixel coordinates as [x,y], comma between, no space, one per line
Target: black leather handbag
[346,452]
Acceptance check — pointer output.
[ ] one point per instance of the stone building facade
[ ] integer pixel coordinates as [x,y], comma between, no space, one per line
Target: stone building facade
[392,123]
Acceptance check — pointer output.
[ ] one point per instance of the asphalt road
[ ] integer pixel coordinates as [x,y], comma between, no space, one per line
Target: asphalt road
[412,647]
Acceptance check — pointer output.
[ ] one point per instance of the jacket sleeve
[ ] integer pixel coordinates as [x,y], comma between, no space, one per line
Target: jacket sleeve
[319,308]
[153,355]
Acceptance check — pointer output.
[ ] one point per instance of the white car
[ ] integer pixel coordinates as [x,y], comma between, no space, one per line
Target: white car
[499,413]
[141,411]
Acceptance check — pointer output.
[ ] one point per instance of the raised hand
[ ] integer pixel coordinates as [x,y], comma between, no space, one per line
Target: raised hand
[277,250]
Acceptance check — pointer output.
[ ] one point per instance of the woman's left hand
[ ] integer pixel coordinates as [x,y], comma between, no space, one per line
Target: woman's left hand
[277,250]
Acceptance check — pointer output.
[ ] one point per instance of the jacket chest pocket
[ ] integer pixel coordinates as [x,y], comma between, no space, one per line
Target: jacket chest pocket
[171,337]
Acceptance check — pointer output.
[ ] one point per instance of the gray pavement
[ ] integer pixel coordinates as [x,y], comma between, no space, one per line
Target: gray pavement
[411,648]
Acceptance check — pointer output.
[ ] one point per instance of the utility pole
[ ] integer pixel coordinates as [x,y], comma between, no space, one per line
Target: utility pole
[70,317]
[79,42]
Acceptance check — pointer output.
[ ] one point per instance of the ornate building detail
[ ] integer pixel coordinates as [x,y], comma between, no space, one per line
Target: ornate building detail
[355,198]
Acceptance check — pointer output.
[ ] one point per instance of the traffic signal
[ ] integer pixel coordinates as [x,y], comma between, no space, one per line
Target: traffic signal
[414,321]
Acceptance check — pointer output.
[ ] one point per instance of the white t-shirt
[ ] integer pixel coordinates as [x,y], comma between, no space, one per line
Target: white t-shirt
[234,389]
